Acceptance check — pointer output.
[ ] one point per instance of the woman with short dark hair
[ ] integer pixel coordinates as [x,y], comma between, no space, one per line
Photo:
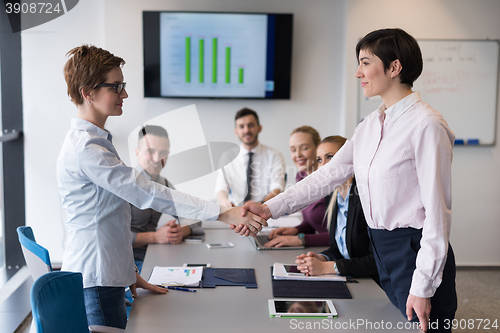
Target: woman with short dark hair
[401,155]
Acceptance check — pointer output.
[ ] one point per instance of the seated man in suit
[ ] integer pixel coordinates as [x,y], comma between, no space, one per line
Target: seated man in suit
[257,173]
[350,252]
[152,153]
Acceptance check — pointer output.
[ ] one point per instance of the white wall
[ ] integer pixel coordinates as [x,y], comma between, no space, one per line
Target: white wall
[116,25]
[475,171]
[47,112]
[323,94]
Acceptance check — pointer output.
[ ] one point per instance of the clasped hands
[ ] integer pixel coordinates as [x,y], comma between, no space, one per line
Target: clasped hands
[314,264]
[278,237]
[170,232]
[247,220]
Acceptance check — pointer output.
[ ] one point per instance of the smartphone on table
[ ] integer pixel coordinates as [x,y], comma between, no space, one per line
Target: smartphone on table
[219,245]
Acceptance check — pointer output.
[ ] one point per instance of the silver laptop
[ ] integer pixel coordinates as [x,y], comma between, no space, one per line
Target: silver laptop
[261,239]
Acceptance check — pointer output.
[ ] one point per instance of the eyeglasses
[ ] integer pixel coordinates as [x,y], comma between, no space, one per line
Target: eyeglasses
[118,86]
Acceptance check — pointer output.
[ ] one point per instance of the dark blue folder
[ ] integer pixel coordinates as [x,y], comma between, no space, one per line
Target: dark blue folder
[229,277]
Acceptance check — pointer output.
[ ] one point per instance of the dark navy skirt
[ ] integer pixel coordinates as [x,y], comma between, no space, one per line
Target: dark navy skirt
[396,254]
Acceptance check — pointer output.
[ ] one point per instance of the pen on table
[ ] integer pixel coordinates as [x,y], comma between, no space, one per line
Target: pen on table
[181,289]
[351,281]
[177,288]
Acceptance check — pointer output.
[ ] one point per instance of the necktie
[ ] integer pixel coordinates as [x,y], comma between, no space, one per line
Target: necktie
[249,177]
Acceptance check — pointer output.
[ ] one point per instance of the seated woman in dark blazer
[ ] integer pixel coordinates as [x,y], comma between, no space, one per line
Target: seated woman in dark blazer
[350,252]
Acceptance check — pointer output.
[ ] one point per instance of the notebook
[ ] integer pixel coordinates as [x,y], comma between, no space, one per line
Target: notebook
[309,289]
[279,273]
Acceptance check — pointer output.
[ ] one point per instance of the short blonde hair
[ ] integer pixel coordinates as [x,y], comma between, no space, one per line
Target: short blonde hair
[340,140]
[309,130]
[87,67]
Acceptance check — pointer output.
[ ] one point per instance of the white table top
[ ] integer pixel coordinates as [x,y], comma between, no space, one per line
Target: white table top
[237,309]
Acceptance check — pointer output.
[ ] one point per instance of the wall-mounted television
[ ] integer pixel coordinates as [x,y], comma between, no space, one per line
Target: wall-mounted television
[217,55]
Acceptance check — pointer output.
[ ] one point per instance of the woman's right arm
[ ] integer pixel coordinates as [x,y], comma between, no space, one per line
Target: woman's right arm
[106,170]
[312,188]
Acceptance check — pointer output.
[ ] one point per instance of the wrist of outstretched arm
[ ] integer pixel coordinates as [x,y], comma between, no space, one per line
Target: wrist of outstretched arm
[209,212]
[223,215]
[276,206]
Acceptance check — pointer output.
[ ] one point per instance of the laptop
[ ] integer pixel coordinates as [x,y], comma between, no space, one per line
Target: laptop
[261,239]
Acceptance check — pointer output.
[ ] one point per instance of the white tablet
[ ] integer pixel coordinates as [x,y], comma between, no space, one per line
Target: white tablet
[313,308]
[292,270]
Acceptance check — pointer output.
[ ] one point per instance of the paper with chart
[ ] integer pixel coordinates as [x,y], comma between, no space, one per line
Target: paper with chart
[176,276]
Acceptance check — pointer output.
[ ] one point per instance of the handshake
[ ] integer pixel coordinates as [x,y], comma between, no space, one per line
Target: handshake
[247,220]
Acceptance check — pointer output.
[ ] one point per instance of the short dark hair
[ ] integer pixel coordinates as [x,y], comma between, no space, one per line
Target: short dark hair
[86,67]
[392,44]
[153,130]
[246,112]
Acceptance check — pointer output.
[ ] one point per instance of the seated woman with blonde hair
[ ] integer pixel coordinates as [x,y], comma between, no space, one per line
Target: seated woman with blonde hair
[313,230]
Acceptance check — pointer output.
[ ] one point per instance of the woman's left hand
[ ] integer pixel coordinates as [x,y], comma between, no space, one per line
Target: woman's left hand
[422,307]
[280,241]
[141,283]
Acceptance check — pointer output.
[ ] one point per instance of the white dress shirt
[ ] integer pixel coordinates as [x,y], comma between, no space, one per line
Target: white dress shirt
[268,174]
[96,188]
[401,157]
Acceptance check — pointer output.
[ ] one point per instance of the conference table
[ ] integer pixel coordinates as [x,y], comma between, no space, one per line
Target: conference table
[237,309]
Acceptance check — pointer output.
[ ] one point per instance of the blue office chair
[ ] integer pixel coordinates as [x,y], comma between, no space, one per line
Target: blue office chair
[36,256]
[38,259]
[58,305]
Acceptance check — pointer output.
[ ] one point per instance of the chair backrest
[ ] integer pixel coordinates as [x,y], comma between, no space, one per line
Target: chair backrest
[36,256]
[57,303]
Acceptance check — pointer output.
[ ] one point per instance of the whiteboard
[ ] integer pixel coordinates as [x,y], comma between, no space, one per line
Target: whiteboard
[459,80]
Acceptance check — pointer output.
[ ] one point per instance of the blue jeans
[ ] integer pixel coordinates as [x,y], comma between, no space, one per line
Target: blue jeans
[105,306]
